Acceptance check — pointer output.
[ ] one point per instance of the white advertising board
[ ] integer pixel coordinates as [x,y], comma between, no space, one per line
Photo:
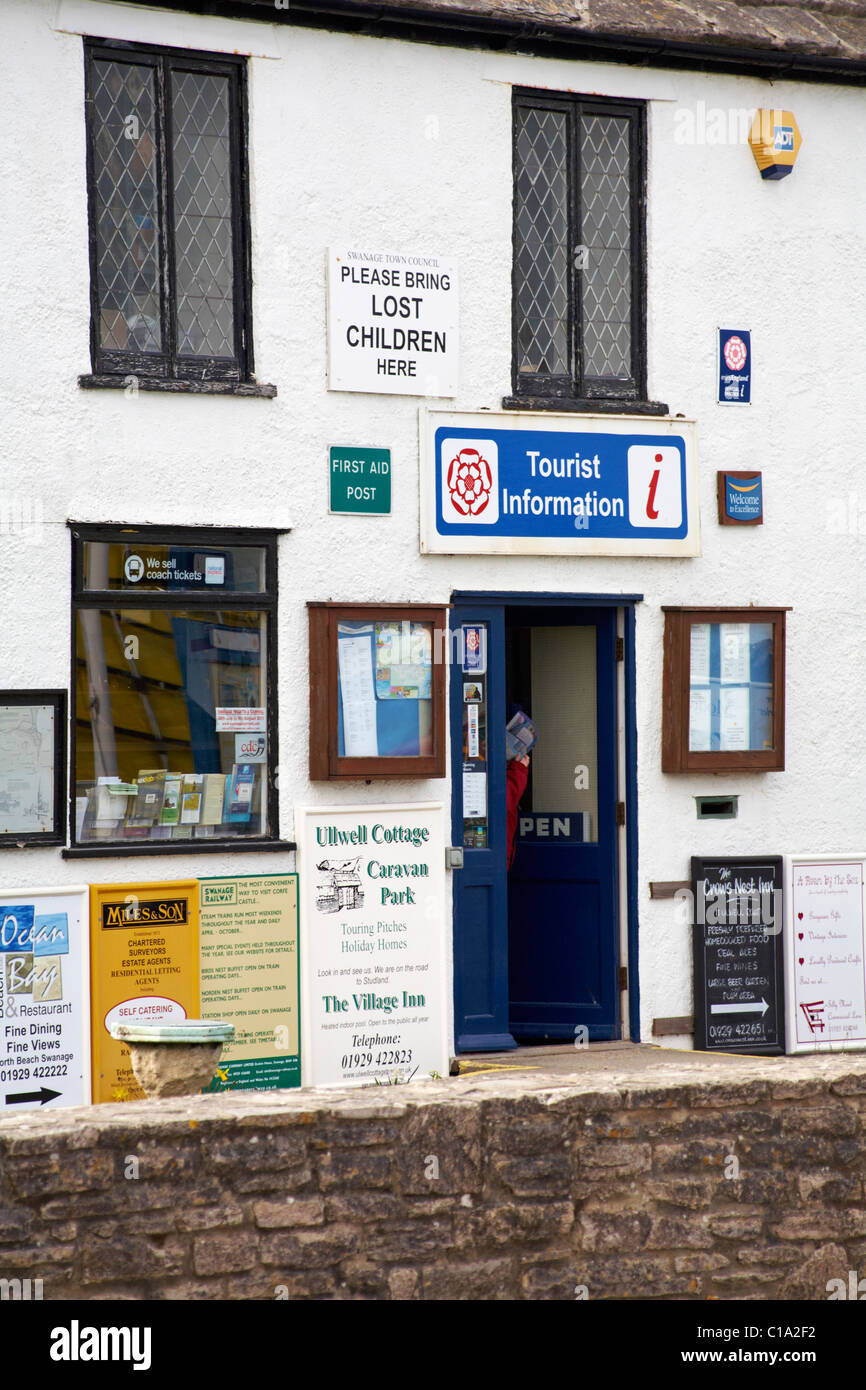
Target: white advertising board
[44,998]
[825,949]
[393,323]
[372,943]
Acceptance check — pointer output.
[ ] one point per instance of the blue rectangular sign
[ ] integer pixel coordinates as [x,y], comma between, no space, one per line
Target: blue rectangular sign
[514,483]
[743,498]
[556,484]
[735,366]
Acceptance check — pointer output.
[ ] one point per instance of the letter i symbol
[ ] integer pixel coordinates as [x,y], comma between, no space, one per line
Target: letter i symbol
[651,511]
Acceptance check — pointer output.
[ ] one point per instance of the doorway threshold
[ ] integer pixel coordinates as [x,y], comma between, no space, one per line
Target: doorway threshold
[596,1058]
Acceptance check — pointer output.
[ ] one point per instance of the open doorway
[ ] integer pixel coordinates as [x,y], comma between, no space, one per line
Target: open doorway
[537,948]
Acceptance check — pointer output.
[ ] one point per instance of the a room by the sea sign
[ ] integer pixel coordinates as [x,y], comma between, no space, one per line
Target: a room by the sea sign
[502,484]
[373,943]
[360,480]
[393,322]
[738,954]
[825,948]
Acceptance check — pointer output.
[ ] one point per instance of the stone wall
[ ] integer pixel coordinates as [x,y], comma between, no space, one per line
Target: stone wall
[704,1184]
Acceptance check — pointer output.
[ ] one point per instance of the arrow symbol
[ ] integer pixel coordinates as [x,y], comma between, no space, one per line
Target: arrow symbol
[740,1008]
[42,1095]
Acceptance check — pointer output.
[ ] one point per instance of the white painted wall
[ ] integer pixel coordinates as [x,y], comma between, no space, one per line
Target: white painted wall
[401,147]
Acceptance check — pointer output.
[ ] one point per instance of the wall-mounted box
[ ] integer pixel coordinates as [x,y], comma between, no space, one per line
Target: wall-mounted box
[723,698]
[377,690]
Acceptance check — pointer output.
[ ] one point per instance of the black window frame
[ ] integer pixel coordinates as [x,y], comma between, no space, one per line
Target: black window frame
[267,601]
[31,839]
[576,390]
[169,365]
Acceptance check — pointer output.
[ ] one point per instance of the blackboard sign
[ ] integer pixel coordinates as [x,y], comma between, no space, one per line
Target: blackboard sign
[738,970]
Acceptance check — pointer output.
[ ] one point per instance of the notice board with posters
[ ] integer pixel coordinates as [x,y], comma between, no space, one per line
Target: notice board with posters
[739,982]
[825,950]
[144,950]
[249,977]
[373,940]
[44,998]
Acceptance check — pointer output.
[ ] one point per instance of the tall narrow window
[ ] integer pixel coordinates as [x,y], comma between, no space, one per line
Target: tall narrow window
[168,214]
[578,248]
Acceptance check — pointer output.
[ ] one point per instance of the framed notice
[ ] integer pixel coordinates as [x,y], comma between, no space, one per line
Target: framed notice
[393,322]
[144,948]
[44,998]
[825,950]
[32,767]
[738,960]
[249,977]
[373,942]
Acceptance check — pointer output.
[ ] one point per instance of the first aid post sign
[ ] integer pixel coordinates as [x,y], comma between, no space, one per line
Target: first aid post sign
[360,480]
[500,484]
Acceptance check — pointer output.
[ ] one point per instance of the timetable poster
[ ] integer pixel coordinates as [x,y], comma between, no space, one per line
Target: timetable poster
[826,949]
[249,977]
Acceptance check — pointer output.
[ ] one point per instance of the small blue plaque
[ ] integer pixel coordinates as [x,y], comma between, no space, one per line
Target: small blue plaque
[735,367]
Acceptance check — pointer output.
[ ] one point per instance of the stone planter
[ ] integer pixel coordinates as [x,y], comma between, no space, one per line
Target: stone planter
[174,1059]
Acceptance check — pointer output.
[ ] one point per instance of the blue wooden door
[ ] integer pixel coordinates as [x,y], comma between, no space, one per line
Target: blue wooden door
[477,698]
[536,949]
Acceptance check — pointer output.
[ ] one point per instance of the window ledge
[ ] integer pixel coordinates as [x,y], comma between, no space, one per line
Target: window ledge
[119,850]
[175,386]
[586,407]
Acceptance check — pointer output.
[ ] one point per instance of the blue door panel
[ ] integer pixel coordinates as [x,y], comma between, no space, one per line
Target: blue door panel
[479,958]
[479,889]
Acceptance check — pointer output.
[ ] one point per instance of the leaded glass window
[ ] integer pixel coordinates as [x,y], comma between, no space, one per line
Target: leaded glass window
[168,214]
[578,248]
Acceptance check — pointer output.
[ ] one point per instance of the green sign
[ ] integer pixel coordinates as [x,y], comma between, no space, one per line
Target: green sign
[249,976]
[360,480]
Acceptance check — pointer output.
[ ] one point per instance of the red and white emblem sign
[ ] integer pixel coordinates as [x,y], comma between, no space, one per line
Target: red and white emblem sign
[469,472]
[735,353]
[469,482]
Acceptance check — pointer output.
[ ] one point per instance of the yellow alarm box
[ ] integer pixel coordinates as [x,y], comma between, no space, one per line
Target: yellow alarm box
[775,140]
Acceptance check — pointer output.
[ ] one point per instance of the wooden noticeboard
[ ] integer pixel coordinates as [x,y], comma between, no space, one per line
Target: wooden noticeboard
[738,954]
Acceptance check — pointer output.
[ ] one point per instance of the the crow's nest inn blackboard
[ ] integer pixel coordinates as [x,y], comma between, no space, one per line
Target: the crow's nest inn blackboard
[739,980]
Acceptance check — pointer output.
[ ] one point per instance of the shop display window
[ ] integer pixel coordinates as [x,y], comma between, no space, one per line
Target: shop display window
[174,719]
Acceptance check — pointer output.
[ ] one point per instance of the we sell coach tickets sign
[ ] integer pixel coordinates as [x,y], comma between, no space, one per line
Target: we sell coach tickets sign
[392,323]
[528,485]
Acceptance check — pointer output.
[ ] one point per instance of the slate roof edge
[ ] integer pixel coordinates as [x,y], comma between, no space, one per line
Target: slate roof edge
[431,23]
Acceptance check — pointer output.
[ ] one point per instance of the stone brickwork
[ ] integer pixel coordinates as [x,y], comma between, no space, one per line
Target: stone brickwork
[706,1183]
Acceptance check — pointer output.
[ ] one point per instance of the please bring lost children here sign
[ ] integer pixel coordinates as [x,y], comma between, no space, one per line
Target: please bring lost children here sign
[392,323]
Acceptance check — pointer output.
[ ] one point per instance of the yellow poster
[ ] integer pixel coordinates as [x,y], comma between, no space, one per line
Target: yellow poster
[144,967]
[249,977]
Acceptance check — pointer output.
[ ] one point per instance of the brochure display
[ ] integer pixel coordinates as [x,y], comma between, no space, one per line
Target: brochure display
[44,998]
[373,941]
